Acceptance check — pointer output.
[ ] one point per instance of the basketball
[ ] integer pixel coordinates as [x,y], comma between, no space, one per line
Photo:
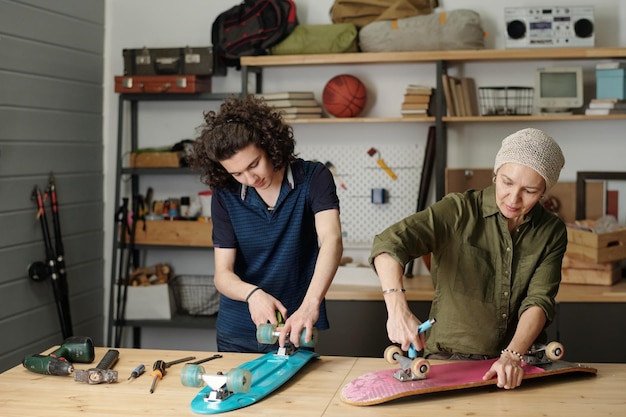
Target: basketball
[344,96]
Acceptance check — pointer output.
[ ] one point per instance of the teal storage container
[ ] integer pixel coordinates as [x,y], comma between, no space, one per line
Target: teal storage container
[611,83]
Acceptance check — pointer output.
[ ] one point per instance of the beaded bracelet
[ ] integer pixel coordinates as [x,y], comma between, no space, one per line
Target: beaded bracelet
[252,292]
[390,290]
[519,355]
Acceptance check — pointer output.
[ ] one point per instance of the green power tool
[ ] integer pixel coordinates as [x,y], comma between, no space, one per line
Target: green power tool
[75,349]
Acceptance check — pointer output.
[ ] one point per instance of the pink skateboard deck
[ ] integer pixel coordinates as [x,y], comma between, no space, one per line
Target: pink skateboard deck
[380,386]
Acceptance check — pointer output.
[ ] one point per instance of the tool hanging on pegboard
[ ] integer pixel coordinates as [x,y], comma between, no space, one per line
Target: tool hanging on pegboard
[381,163]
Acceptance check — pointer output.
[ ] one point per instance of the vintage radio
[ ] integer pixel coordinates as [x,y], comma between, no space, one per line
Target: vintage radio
[544,27]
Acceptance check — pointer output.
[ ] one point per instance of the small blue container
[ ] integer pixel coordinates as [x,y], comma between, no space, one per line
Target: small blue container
[611,83]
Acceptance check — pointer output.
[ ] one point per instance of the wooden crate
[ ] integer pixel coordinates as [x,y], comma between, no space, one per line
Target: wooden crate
[593,247]
[575,271]
[175,233]
[154,160]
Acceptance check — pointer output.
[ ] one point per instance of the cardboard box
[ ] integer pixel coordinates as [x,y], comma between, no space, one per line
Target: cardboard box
[175,232]
[585,245]
[611,83]
[154,160]
[575,271]
[151,302]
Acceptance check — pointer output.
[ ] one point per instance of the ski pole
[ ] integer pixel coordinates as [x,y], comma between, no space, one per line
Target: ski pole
[122,215]
[50,258]
[60,255]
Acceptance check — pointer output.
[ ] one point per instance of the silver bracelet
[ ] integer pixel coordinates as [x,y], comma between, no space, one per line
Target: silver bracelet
[519,355]
[390,290]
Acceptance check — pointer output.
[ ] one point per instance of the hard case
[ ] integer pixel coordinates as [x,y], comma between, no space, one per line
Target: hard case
[171,61]
[158,84]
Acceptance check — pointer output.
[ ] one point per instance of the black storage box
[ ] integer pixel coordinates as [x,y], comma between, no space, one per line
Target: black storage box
[172,61]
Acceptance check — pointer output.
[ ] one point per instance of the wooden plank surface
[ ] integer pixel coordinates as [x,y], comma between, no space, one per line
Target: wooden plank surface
[432,56]
[315,391]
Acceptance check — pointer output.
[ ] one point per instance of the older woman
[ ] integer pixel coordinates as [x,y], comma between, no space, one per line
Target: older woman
[496,259]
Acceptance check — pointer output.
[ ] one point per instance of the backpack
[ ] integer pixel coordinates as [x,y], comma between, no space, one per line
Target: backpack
[251,28]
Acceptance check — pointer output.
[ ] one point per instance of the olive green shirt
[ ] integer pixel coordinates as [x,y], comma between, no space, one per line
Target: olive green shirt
[484,277]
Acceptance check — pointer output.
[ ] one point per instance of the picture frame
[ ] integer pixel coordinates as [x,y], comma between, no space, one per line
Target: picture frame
[584,179]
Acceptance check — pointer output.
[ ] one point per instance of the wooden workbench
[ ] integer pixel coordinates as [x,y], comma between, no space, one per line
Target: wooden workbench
[315,391]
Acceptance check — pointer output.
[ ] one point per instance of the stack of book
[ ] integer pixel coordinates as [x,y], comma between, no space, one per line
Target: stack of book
[294,104]
[604,106]
[417,101]
[461,96]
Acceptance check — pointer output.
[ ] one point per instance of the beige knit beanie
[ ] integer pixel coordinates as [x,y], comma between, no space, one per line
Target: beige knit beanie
[534,149]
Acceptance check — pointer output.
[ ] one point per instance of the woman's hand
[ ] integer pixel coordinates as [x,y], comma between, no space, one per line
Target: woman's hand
[509,371]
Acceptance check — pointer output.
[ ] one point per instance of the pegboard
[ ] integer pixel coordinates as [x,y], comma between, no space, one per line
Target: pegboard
[358,173]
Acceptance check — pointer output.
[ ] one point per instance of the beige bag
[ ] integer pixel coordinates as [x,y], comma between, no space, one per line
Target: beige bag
[362,12]
[453,30]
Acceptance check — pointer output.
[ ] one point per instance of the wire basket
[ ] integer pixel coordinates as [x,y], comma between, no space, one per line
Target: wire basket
[505,101]
[195,295]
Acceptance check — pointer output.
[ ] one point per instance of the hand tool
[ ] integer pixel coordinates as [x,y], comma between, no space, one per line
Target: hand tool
[159,367]
[102,372]
[79,349]
[137,371]
[381,163]
[421,329]
[333,171]
[210,358]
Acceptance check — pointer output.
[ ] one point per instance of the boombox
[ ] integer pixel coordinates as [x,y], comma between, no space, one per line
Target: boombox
[542,27]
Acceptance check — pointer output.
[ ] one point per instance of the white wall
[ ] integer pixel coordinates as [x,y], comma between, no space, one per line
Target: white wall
[588,145]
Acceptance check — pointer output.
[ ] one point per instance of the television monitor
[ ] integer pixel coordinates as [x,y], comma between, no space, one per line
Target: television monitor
[558,90]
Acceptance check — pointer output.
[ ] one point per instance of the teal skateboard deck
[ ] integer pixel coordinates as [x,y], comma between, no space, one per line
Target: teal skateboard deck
[266,373]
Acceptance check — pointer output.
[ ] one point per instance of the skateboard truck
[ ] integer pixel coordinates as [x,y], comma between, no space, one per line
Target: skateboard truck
[412,367]
[540,354]
[267,334]
[222,385]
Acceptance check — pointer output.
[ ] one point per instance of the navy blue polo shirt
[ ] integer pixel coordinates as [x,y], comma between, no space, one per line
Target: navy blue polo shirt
[276,250]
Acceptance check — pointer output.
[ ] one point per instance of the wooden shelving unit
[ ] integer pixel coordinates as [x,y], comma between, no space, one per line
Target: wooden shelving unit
[440,59]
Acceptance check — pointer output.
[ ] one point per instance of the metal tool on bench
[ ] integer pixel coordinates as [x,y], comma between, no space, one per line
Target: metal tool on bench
[102,372]
[136,373]
[75,349]
[159,367]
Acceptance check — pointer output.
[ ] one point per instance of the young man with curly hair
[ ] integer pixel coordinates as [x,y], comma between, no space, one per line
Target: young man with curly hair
[276,228]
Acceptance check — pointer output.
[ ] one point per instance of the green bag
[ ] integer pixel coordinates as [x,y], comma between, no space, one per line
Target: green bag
[319,39]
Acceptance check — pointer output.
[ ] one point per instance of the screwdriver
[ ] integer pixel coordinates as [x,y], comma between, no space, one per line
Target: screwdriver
[159,367]
[137,371]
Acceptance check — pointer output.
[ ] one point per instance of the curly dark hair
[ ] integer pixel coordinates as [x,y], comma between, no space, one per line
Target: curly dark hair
[240,122]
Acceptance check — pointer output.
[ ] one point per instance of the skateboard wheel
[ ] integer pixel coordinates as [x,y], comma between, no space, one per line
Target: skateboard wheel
[265,333]
[238,380]
[390,353]
[191,375]
[555,351]
[420,367]
[313,340]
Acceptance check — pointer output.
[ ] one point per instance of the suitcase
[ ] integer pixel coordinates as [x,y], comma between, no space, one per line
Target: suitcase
[159,84]
[172,61]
